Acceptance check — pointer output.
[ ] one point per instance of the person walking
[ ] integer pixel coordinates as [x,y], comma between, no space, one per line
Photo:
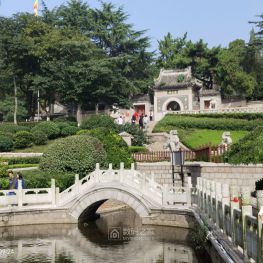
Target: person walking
[133,120]
[145,122]
[141,121]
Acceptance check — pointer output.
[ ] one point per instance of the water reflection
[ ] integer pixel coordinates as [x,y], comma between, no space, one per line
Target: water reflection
[93,242]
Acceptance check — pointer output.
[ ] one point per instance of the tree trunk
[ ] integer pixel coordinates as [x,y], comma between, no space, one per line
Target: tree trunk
[79,115]
[15,92]
[97,108]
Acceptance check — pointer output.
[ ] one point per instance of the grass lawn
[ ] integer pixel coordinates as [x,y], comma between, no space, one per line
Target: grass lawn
[194,138]
[36,148]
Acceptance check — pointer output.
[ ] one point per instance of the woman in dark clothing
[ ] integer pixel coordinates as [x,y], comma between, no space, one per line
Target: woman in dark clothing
[20,177]
[141,121]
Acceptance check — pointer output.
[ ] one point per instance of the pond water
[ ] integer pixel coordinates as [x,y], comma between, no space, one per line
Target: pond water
[115,237]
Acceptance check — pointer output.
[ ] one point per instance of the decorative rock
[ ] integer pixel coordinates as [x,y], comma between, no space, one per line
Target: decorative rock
[259,199]
[226,139]
[126,137]
[173,142]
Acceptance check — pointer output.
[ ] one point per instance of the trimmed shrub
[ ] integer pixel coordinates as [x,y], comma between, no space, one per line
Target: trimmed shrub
[5,183]
[247,150]
[136,149]
[170,122]
[51,129]
[23,139]
[69,130]
[98,121]
[39,137]
[21,160]
[75,154]
[116,148]
[6,143]
[63,125]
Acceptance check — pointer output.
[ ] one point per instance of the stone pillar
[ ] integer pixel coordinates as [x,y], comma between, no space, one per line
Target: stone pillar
[76,187]
[259,199]
[53,192]
[204,194]
[20,194]
[121,172]
[212,196]
[260,241]
[234,204]
[97,172]
[225,201]
[132,166]
[246,210]
[245,196]
[218,190]
[198,187]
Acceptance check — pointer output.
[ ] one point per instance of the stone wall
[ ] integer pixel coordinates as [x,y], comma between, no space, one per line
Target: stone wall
[240,175]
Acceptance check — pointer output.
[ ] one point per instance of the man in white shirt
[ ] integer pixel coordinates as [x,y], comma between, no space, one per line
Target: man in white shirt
[120,120]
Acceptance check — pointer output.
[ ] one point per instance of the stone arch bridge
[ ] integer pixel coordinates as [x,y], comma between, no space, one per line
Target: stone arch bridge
[82,199]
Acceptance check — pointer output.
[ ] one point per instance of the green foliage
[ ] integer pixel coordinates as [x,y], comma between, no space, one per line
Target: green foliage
[139,136]
[69,130]
[76,154]
[39,137]
[23,139]
[135,149]
[170,122]
[198,237]
[116,148]
[51,129]
[247,150]
[24,165]
[98,121]
[7,107]
[40,179]
[6,143]
[21,160]
[3,169]
[82,132]
[245,116]
[12,128]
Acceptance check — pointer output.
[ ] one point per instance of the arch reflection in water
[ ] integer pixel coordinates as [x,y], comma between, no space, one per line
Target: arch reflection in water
[90,243]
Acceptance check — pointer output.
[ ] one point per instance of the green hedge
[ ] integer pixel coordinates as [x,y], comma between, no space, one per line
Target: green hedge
[97,121]
[23,139]
[51,129]
[75,154]
[136,149]
[6,143]
[39,137]
[116,148]
[21,160]
[248,149]
[244,116]
[170,122]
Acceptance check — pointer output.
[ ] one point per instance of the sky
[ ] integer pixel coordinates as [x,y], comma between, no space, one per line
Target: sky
[217,22]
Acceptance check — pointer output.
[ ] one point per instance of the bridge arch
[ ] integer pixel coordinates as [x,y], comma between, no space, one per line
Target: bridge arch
[87,205]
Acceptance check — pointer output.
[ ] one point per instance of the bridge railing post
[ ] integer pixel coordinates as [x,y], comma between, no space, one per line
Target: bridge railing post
[234,204]
[121,172]
[225,201]
[53,192]
[76,188]
[260,221]
[218,199]
[260,243]
[97,172]
[20,194]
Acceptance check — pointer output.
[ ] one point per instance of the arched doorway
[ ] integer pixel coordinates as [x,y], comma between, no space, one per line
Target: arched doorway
[173,106]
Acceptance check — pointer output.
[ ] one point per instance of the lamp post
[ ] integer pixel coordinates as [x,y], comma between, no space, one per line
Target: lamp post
[38,106]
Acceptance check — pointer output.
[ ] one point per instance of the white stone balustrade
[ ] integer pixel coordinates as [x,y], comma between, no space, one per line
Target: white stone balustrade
[138,185]
[245,228]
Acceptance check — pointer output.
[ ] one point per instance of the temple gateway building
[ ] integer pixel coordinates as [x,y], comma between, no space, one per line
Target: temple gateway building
[178,90]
